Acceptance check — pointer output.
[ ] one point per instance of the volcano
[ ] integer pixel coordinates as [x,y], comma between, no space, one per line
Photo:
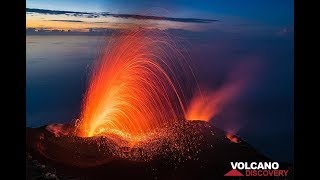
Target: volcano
[198,151]
[140,119]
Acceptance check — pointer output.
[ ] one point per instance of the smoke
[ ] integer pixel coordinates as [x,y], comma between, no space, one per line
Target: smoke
[207,103]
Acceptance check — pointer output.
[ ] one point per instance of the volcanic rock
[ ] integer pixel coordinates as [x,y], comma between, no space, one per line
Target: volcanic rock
[197,150]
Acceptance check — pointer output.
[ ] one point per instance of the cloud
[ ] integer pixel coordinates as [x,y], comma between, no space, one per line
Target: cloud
[126,16]
[66,20]
[54,12]
[185,20]
[285,31]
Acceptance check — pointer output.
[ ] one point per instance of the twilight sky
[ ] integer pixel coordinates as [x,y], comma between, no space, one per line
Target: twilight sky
[233,16]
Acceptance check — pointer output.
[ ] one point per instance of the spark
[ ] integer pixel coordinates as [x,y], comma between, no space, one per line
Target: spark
[140,84]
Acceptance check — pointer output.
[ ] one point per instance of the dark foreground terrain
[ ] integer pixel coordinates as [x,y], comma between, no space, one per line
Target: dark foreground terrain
[62,156]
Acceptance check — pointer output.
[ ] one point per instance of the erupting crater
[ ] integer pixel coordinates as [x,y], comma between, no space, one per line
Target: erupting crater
[140,114]
[139,86]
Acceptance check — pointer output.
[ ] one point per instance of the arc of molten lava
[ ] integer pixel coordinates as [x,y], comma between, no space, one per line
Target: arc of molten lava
[140,84]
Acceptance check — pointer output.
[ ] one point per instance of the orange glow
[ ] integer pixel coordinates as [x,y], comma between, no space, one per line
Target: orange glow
[60,25]
[206,104]
[134,89]
[232,138]
[49,22]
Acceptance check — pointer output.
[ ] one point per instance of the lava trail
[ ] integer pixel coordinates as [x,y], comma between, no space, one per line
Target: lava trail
[141,84]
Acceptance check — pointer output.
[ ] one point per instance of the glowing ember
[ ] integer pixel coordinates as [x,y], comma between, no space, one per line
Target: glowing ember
[58,129]
[135,108]
[232,138]
[139,86]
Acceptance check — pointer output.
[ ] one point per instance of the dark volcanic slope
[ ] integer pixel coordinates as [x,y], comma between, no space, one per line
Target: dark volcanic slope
[206,154]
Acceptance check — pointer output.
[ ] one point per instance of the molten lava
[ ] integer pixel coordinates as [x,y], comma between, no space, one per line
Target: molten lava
[139,86]
[136,106]
[232,138]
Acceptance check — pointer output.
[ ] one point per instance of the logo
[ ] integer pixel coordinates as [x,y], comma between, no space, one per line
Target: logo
[233,172]
[256,169]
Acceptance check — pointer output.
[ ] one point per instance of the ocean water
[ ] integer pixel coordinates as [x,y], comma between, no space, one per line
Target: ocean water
[57,72]
[58,68]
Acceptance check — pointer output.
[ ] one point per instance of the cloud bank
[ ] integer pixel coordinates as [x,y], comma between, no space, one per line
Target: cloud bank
[126,16]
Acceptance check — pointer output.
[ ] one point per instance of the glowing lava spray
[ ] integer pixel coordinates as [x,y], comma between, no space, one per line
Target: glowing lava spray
[140,84]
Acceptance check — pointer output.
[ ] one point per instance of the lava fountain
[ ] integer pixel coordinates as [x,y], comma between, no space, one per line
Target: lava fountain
[141,93]
[140,85]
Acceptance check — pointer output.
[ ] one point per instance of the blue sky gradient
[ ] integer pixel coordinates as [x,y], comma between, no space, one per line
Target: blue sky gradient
[272,12]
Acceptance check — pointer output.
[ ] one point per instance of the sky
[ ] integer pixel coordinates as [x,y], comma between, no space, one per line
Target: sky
[232,15]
